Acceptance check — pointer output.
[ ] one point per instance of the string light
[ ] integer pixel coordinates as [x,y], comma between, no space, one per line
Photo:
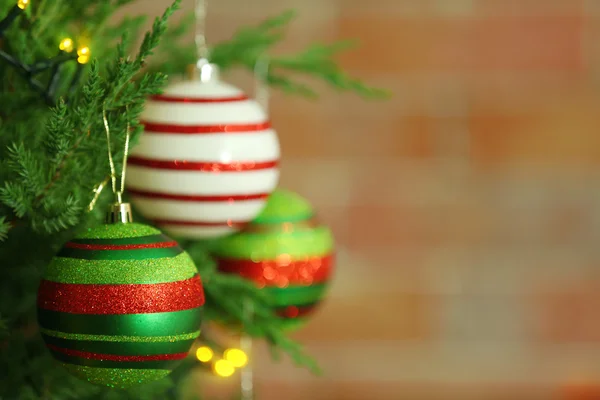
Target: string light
[84,54]
[67,45]
[223,368]
[22,4]
[204,354]
[236,357]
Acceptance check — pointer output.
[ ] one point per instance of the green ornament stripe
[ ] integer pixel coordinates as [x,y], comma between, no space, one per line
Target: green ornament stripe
[152,324]
[272,220]
[114,272]
[296,295]
[284,206]
[317,242]
[139,254]
[116,378]
[123,241]
[122,348]
[117,231]
[108,338]
[166,364]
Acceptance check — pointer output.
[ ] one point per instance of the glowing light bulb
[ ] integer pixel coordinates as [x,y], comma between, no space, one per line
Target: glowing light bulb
[84,54]
[223,368]
[204,354]
[66,45]
[22,4]
[236,357]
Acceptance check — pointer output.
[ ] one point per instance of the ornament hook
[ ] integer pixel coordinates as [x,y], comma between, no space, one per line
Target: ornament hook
[261,77]
[119,212]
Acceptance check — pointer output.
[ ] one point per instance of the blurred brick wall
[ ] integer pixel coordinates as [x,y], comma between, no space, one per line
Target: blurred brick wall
[466,208]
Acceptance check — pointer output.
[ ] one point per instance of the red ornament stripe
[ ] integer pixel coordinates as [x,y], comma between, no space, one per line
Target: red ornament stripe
[296,311]
[172,99]
[86,246]
[283,271]
[198,198]
[151,127]
[113,357]
[121,299]
[207,224]
[203,166]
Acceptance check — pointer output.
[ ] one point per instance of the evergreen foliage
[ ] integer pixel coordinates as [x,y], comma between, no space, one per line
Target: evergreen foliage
[52,159]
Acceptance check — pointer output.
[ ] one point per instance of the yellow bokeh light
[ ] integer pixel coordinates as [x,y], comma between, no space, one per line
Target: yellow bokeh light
[223,368]
[236,357]
[66,45]
[84,54]
[204,354]
[22,4]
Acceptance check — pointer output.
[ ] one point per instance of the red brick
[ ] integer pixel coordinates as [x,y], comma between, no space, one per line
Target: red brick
[309,129]
[568,311]
[392,44]
[546,131]
[372,317]
[358,389]
[382,226]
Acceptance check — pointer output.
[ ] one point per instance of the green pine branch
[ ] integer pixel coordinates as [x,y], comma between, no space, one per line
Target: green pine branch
[250,45]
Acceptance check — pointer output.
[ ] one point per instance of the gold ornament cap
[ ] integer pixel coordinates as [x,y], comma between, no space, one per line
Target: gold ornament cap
[119,213]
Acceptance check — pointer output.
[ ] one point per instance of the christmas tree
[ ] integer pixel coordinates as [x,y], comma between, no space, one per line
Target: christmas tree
[69,71]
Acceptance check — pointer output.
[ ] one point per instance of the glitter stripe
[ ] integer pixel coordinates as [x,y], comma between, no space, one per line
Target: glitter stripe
[124,241]
[115,272]
[139,254]
[272,272]
[173,99]
[109,338]
[283,226]
[116,357]
[116,377]
[298,244]
[89,246]
[198,198]
[90,362]
[151,127]
[108,299]
[202,166]
[118,231]
[154,324]
[122,347]
[296,295]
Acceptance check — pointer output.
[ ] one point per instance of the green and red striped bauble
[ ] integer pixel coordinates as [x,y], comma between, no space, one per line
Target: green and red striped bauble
[120,305]
[287,252]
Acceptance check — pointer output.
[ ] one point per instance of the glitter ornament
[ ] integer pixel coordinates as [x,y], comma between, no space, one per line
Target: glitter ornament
[120,304]
[286,252]
[207,160]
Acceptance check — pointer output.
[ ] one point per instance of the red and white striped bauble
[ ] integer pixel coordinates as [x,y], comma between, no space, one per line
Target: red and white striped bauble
[206,162]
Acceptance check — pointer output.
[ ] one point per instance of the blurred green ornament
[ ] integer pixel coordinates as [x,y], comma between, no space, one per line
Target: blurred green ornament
[286,251]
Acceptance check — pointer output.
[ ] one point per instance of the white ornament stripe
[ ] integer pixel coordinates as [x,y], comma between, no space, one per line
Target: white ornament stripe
[242,112]
[214,147]
[199,212]
[194,232]
[201,183]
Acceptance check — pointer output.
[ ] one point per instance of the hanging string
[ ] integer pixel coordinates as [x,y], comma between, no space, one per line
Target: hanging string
[97,192]
[201,45]
[246,374]
[261,77]
[113,173]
